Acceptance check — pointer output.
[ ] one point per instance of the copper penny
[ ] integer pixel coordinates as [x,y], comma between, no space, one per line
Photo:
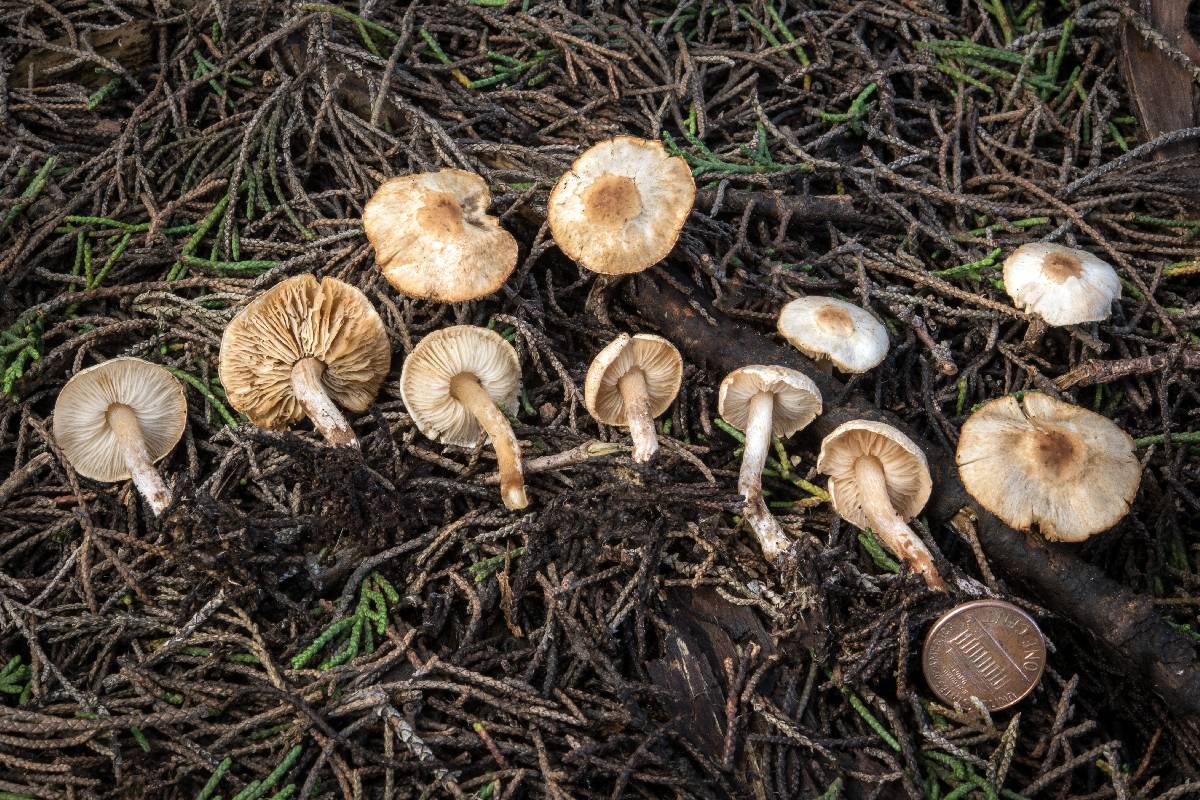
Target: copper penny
[988,649]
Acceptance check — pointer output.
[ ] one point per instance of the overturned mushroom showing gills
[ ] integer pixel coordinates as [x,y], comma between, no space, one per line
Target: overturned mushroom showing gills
[433,237]
[1039,460]
[1060,284]
[632,381]
[761,401]
[453,383]
[879,479]
[304,348]
[832,331]
[620,207]
[113,421]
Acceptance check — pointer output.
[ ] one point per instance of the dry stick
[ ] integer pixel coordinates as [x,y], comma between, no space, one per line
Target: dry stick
[124,424]
[466,389]
[891,529]
[771,538]
[325,415]
[634,393]
[566,458]
[1124,620]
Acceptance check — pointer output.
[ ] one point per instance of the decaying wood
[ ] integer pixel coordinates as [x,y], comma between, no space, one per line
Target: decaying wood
[1090,373]
[1160,87]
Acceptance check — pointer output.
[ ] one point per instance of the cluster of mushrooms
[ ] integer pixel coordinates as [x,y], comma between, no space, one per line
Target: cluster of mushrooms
[314,349]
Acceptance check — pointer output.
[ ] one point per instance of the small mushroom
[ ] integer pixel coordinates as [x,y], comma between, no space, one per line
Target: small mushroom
[453,383]
[1040,460]
[761,401]
[1062,285]
[433,237]
[879,479]
[113,421]
[303,348]
[620,207]
[833,331]
[632,381]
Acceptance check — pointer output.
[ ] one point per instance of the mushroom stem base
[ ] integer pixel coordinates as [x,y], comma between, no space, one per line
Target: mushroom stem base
[771,538]
[124,424]
[635,395]
[893,532]
[466,389]
[325,415]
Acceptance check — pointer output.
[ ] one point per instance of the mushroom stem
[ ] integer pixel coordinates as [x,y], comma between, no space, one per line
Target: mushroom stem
[771,538]
[891,529]
[124,424]
[634,393]
[325,415]
[466,389]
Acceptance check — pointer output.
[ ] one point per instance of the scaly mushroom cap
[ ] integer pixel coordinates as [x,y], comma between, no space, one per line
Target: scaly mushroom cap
[904,468]
[1062,285]
[825,327]
[81,415]
[659,362]
[425,380]
[797,399]
[620,207]
[1071,471]
[330,321]
[433,237]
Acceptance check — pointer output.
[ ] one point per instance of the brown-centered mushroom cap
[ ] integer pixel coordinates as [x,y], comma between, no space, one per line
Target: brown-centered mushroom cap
[621,206]
[659,361]
[1062,285]
[433,237]
[797,398]
[905,469]
[299,318]
[825,327]
[1040,460]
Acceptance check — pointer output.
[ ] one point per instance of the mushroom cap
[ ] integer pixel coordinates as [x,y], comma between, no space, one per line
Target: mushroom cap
[659,362]
[425,380]
[620,207]
[433,237]
[825,327]
[904,468]
[797,398]
[1062,285]
[297,318]
[1070,470]
[81,426]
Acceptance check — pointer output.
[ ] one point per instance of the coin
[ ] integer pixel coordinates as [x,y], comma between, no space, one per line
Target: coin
[988,649]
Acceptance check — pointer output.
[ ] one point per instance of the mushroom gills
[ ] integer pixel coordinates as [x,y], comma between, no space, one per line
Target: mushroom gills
[771,538]
[325,415]
[466,389]
[124,424]
[635,395]
[893,532]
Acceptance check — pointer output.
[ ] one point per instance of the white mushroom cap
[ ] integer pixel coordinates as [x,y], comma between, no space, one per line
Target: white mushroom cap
[1062,285]
[1040,460]
[81,426]
[620,207]
[825,327]
[425,380]
[797,398]
[659,362]
[298,318]
[904,466]
[433,237]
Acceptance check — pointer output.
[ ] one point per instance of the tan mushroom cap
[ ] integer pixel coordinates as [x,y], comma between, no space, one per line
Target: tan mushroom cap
[620,207]
[797,398]
[425,380]
[659,362]
[904,467]
[1062,285]
[1040,460]
[81,426]
[298,318]
[434,239]
[825,327]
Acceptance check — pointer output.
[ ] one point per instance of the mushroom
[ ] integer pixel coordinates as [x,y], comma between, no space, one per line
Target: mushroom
[452,384]
[303,348]
[1038,459]
[833,331]
[761,400]
[632,381]
[879,479]
[1062,285]
[620,207]
[113,421]
[434,239]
